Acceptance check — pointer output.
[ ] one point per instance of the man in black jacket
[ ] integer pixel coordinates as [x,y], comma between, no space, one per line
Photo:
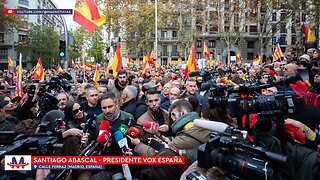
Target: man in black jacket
[129,95]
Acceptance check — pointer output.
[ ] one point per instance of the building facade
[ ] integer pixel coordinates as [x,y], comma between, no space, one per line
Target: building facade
[10,39]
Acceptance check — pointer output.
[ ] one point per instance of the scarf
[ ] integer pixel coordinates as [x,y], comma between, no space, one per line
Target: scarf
[183,120]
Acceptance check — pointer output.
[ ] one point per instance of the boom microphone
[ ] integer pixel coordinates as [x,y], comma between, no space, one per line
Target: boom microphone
[211,125]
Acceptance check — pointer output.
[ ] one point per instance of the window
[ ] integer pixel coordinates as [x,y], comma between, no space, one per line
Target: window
[198,55]
[283,28]
[253,29]
[274,16]
[164,50]
[22,38]
[174,50]
[1,37]
[164,34]
[199,44]
[283,41]
[174,34]
[293,40]
[250,44]
[3,53]
[250,56]
[211,44]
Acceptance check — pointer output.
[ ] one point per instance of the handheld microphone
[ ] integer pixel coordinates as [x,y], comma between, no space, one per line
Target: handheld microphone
[124,129]
[211,125]
[133,132]
[101,140]
[122,142]
[104,126]
[151,126]
[90,125]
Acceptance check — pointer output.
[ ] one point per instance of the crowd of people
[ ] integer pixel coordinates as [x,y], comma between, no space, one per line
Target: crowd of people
[171,100]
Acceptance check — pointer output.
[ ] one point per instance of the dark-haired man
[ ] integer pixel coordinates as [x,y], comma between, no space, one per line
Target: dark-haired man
[154,114]
[121,82]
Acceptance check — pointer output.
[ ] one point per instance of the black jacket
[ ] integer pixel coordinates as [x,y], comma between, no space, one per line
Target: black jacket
[130,107]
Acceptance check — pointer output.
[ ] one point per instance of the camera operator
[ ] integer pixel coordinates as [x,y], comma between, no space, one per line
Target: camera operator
[188,137]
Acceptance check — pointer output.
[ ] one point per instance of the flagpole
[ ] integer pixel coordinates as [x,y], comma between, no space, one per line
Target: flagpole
[156,31]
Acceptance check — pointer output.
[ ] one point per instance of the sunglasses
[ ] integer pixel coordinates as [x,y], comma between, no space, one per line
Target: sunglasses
[77,110]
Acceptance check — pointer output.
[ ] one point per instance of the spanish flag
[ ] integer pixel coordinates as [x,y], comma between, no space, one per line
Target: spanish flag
[191,63]
[309,36]
[258,59]
[39,71]
[206,51]
[10,64]
[117,61]
[145,65]
[129,61]
[277,53]
[59,69]
[88,15]
[151,58]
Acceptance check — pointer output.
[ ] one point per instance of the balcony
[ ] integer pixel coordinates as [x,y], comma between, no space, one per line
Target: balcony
[168,38]
[175,54]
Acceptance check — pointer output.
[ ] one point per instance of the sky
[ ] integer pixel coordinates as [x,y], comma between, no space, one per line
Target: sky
[67,4]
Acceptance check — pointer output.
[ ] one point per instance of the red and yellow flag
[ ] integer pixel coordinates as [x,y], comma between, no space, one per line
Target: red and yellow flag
[87,67]
[59,69]
[277,53]
[151,58]
[238,56]
[117,61]
[39,71]
[309,36]
[206,51]
[10,64]
[258,59]
[145,65]
[191,63]
[96,76]
[129,61]
[88,15]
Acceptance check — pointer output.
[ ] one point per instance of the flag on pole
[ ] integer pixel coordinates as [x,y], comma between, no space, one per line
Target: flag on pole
[19,78]
[39,71]
[151,58]
[59,69]
[87,67]
[129,61]
[258,59]
[158,67]
[309,36]
[191,63]
[238,56]
[277,53]
[206,51]
[145,65]
[96,76]
[88,15]
[10,64]
[117,61]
